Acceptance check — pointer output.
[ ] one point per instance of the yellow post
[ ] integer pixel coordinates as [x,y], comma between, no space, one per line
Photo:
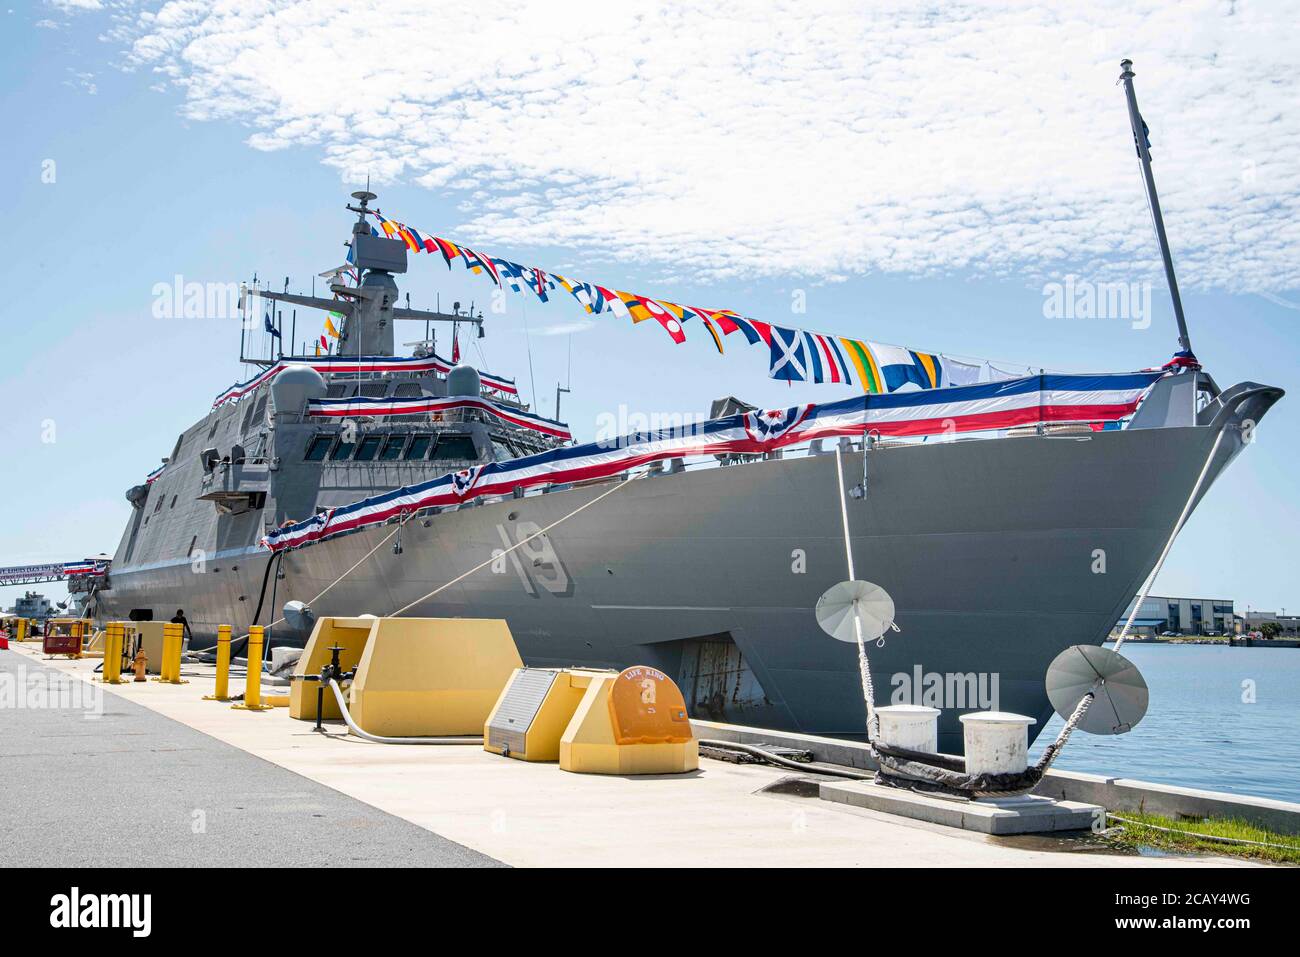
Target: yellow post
[166,657]
[222,692]
[173,638]
[113,635]
[164,665]
[110,635]
[253,684]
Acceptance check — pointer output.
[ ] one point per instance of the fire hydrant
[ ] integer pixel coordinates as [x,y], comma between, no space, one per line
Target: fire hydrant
[138,663]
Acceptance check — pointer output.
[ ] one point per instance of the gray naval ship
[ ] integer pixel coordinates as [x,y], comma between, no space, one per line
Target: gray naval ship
[1000,550]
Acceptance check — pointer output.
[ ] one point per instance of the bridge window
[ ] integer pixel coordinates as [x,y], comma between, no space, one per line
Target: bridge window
[368,448]
[342,450]
[419,446]
[455,447]
[393,448]
[319,445]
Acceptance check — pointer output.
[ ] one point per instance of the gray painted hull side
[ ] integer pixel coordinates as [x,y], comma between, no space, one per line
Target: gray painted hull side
[990,549]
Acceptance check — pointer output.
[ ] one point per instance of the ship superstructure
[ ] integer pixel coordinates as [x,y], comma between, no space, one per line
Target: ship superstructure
[264,460]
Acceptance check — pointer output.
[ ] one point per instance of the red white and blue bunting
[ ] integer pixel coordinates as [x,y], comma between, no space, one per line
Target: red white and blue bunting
[987,406]
[95,568]
[433,405]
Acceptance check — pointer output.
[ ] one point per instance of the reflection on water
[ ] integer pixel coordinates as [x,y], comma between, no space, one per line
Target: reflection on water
[1226,719]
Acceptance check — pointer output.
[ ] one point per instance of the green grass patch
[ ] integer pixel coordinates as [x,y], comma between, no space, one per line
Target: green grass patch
[1152,830]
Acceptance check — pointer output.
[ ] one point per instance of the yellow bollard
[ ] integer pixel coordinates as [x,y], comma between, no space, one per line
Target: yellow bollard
[222,692]
[165,661]
[113,636]
[110,637]
[253,684]
[166,654]
[173,639]
[164,666]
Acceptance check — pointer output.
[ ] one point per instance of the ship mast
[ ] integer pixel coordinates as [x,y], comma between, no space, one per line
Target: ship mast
[370,307]
[1144,156]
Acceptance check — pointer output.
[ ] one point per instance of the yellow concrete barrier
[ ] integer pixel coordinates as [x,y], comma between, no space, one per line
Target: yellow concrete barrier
[431,677]
[630,723]
[350,634]
[151,643]
[253,684]
[222,690]
[415,677]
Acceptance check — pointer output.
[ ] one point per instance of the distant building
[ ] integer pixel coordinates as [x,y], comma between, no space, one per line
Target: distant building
[1183,616]
[1288,625]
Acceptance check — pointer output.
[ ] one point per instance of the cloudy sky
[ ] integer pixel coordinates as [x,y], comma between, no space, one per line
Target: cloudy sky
[915,173]
[815,139]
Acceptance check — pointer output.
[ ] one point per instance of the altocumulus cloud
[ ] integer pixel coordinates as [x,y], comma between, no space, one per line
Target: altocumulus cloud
[817,138]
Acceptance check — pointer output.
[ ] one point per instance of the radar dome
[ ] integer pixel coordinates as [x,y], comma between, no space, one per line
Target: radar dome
[464,380]
[291,389]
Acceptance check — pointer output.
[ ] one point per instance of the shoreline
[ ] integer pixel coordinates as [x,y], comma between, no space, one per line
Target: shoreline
[1233,641]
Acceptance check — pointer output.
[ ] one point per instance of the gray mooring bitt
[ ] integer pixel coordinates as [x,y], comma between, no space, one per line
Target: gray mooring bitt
[1121,795]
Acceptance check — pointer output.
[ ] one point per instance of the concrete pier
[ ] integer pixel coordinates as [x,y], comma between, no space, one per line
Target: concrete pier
[159,748]
[1029,814]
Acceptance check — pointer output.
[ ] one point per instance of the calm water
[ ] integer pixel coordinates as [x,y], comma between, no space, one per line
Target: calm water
[1202,729]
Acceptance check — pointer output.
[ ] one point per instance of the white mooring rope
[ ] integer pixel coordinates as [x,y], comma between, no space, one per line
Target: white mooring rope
[506,551]
[864,667]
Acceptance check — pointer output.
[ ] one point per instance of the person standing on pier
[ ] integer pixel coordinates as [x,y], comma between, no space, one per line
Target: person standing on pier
[180,619]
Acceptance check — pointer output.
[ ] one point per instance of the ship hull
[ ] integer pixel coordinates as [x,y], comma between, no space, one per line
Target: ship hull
[998,553]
